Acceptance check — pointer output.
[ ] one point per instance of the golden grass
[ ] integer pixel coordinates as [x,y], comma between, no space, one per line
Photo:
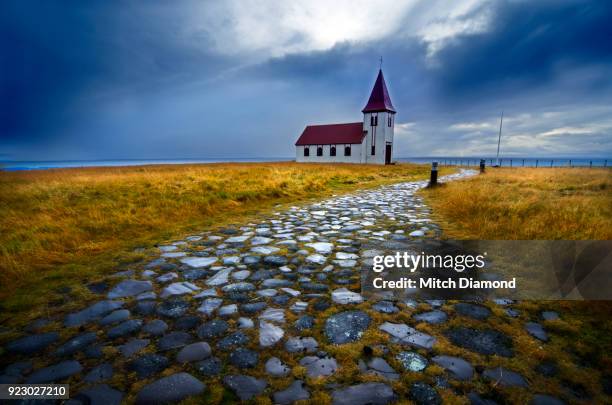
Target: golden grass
[60,227]
[526,204]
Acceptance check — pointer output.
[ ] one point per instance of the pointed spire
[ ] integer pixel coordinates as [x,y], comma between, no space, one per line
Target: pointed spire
[379,99]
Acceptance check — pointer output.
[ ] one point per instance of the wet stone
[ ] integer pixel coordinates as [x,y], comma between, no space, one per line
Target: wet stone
[125,328]
[129,288]
[433,317]
[187,322]
[378,366]
[385,307]
[91,313]
[274,315]
[210,366]
[245,387]
[301,344]
[316,366]
[99,373]
[100,394]
[76,344]
[402,333]
[281,299]
[304,322]
[180,288]
[412,361]
[148,365]
[505,377]
[276,368]
[98,287]
[238,287]
[156,327]
[245,323]
[133,346]
[423,394]
[18,369]
[295,392]
[194,352]
[537,331]
[254,307]
[174,340]
[209,305]
[486,341]
[172,308]
[317,287]
[55,373]
[233,340]
[550,316]
[173,388]
[228,310]
[145,307]
[119,315]
[33,343]
[346,327]
[212,329]
[244,358]
[364,394]
[344,296]
[456,366]
[275,260]
[276,283]
[269,334]
[472,310]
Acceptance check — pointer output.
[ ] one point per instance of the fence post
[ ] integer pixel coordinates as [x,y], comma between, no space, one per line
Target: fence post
[523,162]
[433,179]
[590,164]
[510,162]
[551,162]
[482,165]
[606,163]
[536,162]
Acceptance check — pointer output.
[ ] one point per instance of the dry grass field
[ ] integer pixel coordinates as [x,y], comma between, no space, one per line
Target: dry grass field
[60,227]
[522,204]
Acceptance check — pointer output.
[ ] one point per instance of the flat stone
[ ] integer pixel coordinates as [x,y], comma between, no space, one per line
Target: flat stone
[412,361]
[167,277]
[245,323]
[295,392]
[550,315]
[537,331]
[423,394]
[173,388]
[129,288]
[265,250]
[274,315]
[148,365]
[371,393]
[404,334]
[321,247]
[133,346]
[146,307]
[487,341]
[244,358]
[316,366]
[99,373]
[268,292]
[210,305]
[55,373]
[211,292]
[301,344]
[472,310]
[99,395]
[212,329]
[198,262]
[174,340]
[118,315]
[275,283]
[316,258]
[179,288]
[33,343]
[245,387]
[194,352]
[543,399]
[91,313]
[238,287]
[417,234]
[378,366]
[233,340]
[346,327]
[458,367]
[241,275]
[228,310]
[187,322]
[505,377]
[269,334]
[385,307]
[434,317]
[276,368]
[344,296]
[260,240]
[211,366]
[174,308]
[76,344]
[221,277]
[125,328]
[253,307]
[155,327]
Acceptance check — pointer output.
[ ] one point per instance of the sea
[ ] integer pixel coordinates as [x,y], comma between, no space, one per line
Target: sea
[442,161]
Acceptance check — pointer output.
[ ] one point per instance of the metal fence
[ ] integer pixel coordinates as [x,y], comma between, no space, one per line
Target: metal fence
[508,162]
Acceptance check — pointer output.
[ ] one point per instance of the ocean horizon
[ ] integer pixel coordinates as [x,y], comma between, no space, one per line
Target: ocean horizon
[442,160]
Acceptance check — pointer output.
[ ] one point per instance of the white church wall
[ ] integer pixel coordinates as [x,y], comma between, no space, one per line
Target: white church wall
[384,134]
[356,154]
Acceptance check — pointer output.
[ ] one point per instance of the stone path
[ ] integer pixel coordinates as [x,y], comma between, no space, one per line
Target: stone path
[267,309]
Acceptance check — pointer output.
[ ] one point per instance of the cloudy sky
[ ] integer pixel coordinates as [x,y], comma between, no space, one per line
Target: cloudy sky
[241,78]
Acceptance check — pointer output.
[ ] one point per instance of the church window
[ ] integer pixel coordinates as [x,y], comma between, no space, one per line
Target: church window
[389,120]
[347,150]
[374,120]
[332,151]
[306,151]
[320,151]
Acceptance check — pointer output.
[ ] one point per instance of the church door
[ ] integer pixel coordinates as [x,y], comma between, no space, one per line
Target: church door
[388,154]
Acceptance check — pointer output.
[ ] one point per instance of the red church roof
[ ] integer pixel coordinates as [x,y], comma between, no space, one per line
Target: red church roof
[379,99]
[332,134]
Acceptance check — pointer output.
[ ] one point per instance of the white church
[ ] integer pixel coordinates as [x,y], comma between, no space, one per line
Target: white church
[370,141]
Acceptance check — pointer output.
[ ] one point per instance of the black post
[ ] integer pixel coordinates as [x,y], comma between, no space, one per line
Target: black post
[551,162]
[606,163]
[570,163]
[433,179]
[590,164]
[536,162]
[510,162]
[482,165]
[523,162]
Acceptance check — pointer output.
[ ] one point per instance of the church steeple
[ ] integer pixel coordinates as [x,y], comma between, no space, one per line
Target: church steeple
[379,98]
